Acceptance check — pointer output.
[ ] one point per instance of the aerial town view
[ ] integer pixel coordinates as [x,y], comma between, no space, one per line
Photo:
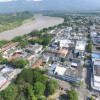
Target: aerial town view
[49,54]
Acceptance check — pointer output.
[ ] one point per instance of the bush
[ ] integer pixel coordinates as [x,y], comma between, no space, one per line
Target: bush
[72,95]
[63,59]
[52,86]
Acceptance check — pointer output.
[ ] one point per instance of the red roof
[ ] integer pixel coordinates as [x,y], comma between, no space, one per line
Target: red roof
[15,56]
[8,46]
[35,37]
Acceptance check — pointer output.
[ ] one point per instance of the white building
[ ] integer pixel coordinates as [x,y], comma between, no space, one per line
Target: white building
[60,70]
[80,46]
[95,79]
[68,29]
[64,43]
[92,27]
[93,34]
[61,43]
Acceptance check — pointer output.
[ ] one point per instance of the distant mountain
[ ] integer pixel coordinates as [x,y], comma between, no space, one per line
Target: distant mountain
[39,5]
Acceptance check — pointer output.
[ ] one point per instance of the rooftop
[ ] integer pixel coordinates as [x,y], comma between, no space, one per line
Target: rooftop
[80,45]
[63,51]
[37,64]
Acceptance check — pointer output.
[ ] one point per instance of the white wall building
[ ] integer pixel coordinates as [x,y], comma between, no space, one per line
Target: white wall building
[95,79]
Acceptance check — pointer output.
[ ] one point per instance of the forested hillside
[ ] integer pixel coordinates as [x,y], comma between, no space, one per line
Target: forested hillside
[10,21]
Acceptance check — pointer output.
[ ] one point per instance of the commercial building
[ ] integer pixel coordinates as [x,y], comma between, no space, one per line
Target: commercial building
[95,78]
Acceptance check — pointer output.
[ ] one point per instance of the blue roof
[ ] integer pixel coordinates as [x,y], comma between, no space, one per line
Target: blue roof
[95,56]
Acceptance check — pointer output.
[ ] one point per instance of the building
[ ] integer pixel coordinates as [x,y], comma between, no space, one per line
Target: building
[62,53]
[68,29]
[80,46]
[37,64]
[93,34]
[3,81]
[74,73]
[60,70]
[92,27]
[64,43]
[34,49]
[95,78]
[8,46]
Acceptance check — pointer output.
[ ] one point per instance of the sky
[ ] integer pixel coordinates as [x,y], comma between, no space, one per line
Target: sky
[16,0]
[66,5]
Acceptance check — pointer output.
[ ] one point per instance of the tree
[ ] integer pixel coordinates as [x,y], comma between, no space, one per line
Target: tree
[80,84]
[5,61]
[98,48]
[21,96]
[35,33]
[34,98]
[17,39]
[43,98]
[25,76]
[46,71]
[62,59]
[73,83]
[92,98]
[90,45]
[72,95]
[52,86]
[90,56]
[1,57]
[23,44]
[30,93]
[20,63]
[39,89]
[9,93]
[38,77]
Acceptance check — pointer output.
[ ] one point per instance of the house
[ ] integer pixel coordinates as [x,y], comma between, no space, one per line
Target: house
[37,64]
[15,56]
[34,49]
[8,46]
[62,53]
[3,81]
[95,78]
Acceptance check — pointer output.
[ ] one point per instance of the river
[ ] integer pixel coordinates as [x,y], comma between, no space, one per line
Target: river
[39,23]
